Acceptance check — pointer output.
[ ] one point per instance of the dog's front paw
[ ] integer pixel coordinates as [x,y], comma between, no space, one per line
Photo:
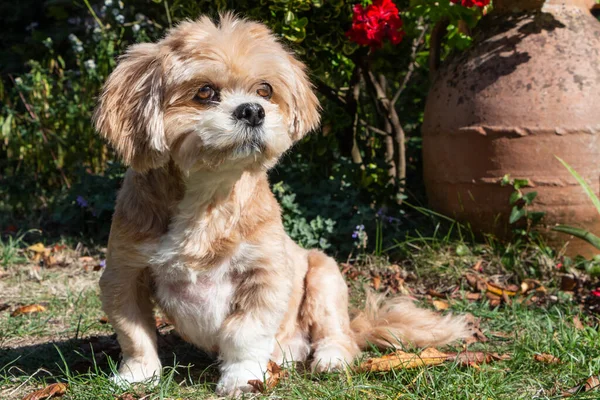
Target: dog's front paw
[331,357]
[135,371]
[235,377]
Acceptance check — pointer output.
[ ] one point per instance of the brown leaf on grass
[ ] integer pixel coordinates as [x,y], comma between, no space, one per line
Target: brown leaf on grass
[494,299]
[275,374]
[592,383]
[500,290]
[568,283]
[29,309]
[440,305]
[37,248]
[476,282]
[376,282]
[577,323]
[478,266]
[103,320]
[402,360]
[473,296]
[429,356]
[546,358]
[436,294]
[53,390]
[501,335]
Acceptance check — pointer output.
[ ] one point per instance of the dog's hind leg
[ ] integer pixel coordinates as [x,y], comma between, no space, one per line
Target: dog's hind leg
[324,313]
[126,301]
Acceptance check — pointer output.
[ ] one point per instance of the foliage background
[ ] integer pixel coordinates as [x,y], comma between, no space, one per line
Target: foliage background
[335,187]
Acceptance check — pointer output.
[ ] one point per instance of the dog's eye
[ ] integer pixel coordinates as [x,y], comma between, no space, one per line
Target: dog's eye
[207,94]
[265,90]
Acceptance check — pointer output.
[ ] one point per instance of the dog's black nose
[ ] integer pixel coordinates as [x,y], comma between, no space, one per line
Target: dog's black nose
[251,113]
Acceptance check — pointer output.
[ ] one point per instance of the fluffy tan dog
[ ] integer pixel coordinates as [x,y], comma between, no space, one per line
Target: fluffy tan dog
[200,117]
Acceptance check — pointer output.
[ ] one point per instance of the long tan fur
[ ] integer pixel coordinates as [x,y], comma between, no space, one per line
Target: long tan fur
[396,322]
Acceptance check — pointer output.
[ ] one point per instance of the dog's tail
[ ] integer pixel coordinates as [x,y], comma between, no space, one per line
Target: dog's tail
[397,322]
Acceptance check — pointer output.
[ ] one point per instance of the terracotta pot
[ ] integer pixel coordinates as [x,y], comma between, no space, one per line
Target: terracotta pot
[526,91]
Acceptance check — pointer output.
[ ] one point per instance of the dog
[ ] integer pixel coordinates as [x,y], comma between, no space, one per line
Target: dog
[200,117]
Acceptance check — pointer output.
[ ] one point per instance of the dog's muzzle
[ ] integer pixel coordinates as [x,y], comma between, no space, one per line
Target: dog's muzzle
[253,114]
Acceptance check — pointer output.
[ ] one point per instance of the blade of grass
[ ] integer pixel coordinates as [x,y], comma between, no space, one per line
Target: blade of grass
[586,187]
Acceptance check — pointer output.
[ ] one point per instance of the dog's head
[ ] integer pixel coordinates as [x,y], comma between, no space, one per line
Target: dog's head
[208,95]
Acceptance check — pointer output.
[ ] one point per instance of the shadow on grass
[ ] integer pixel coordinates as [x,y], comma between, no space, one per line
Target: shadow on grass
[99,355]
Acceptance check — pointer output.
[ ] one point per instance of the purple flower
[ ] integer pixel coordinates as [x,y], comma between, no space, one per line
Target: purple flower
[103,264]
[81,201]
[355,234]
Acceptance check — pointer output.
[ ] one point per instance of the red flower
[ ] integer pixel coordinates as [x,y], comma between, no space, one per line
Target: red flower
[472,3]
[596,292]
[374,23]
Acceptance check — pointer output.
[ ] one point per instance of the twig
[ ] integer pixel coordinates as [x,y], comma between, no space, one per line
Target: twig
[166,3]
[87,3]
[330,93]
[411,66]
[372,128]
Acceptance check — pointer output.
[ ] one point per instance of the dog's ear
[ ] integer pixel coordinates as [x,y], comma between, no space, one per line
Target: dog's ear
[130,109]
[305,106]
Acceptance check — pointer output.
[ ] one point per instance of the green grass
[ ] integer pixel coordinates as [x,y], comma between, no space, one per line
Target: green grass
[67,343]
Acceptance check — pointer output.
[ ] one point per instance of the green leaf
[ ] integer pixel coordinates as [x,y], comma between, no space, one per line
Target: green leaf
[514,197]
[505,180]
[516,214]
[588,190]
[519,183]
[529,197]
[462,250]
[579,233]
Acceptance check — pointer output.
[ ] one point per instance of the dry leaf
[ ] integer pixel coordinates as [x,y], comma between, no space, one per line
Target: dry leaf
[577,323]
[53,390]
[473,296]
[402,360]
[376,282]
[435,294]
[103,320]
[37,248]
[494,299]
[275,374]
[530,284]
[476,282]
[30,309]
[501,335]
[592,383]
[568,283]
[477,267]
[440,305]
[501,291]
[546,358]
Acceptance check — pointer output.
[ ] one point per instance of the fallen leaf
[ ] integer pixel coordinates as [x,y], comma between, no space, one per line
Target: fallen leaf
[435,294]
[501,291]
[53,390]
[592,383]
[30,309]
[402,360]
[568,283]
[103,320]
[501,335]
[477,267]
[473,296]
[494,299]
[577,323]
[546,358]
[440,305]
[37,248]
[376,282]
[476,282]
[275,374]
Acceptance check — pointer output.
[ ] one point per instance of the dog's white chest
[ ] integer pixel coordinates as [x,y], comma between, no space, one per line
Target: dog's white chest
[197,302]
